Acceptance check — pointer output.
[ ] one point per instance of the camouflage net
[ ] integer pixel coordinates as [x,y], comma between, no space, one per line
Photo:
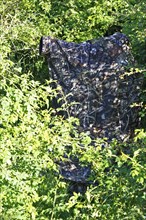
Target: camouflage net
[93,77]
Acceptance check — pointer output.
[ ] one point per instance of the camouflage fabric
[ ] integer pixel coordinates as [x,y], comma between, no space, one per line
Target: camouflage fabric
[92,76]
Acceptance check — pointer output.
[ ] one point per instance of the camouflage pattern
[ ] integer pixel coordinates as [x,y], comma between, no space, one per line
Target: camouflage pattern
[92,76]
[98,91]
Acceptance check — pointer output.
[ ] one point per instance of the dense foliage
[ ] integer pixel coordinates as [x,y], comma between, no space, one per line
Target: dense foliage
[33,135]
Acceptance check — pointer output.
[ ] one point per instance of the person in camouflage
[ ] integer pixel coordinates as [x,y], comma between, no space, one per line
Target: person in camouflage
[98,91]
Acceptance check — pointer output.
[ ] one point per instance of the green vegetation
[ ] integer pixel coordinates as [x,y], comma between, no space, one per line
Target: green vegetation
[32,135]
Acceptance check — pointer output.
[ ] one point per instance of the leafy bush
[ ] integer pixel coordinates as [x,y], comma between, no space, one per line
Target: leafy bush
[33,135]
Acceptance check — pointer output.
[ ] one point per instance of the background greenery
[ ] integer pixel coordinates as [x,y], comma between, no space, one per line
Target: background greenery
[32,135]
